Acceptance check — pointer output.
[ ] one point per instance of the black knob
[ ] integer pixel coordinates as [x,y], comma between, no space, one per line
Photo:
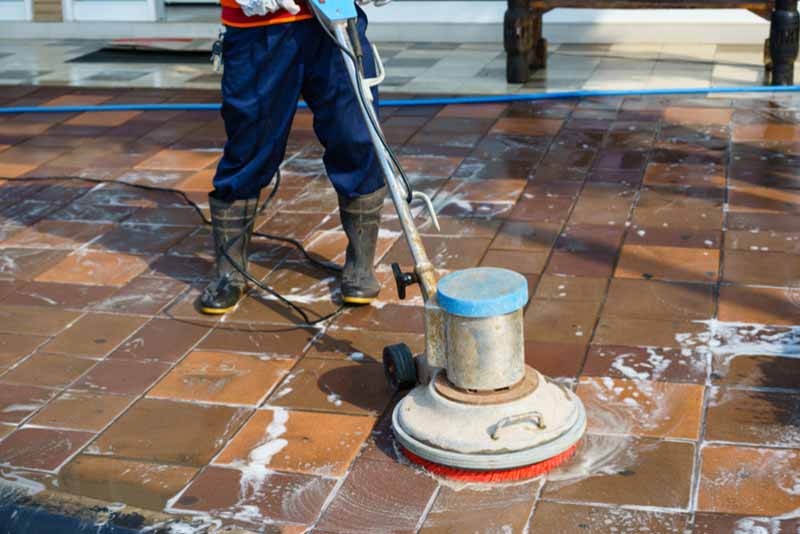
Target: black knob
[403,280]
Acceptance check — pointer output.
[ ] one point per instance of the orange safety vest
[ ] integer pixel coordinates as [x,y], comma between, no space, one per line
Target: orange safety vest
[232,15]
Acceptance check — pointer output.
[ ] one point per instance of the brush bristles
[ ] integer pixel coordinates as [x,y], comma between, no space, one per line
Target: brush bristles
[489,477]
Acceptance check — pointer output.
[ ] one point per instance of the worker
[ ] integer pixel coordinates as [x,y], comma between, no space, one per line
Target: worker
[274,51]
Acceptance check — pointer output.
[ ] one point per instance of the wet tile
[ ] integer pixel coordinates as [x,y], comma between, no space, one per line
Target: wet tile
[48,370]
[359,345]
[445,252]
[41,448]
[378,497]
[78,410]
[161,340]
[257,496]
[560,321]
[5,430]
[14,347]
[121,377]
[761,268]
[64,296]
[57,235]
[759,371]
[674,364]
[17,402]
[263,340]
[555,359]
[143,295]
[710,523]
[34,320]
[642,407]
[464,510]
[94,335]
[389,318]
[649,299]
[761,305]
[571,288]
[563,517]
[299,442]
[179,160]
[645,332]
[667,237]
[102,118]
[516,260]
[203,432]
[91,267]
[140,239]
[668,263]
[225,378]
[527,126]
[755,417]
[140,484]
[28,263]
[748,481]
[527,236]
[334,386]
[643,472]
[591,264]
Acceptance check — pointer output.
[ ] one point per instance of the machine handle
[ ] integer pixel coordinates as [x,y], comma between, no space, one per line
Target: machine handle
[403,280]
[530,417]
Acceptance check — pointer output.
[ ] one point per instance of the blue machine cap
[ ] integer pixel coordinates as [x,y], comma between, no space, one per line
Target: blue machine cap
[482,292]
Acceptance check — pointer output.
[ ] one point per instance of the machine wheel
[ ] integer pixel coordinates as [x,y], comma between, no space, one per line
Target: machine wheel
[517,68]
[399,366]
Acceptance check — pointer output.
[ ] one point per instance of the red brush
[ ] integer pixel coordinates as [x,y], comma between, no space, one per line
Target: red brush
[489,477]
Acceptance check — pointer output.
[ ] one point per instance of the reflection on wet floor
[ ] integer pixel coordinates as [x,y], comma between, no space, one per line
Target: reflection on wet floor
[658,236]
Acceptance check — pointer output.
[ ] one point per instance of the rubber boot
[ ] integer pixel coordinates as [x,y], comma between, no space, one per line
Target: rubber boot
[361,218]
[229,226]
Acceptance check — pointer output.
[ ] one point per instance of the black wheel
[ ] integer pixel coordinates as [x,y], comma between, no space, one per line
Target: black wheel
[540,55]
[399,366]
[517,68]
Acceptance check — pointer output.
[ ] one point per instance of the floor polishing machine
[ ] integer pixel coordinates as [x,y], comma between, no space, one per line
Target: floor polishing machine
[476,411]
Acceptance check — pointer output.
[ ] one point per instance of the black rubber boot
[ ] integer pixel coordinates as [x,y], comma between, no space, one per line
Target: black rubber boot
[229,226]
[361,219]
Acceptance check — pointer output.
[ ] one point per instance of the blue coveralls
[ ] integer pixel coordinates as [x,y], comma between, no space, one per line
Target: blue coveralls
[266,69]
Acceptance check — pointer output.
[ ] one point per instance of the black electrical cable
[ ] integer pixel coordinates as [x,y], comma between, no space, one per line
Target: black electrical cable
[224,249]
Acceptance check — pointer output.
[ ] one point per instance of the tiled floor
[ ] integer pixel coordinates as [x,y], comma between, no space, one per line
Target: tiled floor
[659,237]
[411,67]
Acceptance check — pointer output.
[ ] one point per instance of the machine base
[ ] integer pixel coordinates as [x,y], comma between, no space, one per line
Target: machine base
[540,427]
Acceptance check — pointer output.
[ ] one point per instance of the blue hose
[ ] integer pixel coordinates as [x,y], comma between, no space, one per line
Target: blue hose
[497,99]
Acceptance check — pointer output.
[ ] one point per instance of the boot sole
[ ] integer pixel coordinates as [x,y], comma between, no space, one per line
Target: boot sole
[358,300]
[218,311]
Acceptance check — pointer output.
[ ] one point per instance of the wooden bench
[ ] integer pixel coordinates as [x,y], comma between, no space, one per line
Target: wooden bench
[526,49]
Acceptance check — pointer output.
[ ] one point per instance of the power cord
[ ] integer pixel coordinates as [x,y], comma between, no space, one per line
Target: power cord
[224,249]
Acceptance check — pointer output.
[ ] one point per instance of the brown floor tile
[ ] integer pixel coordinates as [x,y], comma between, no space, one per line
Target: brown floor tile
[651,473]
[41,448]
[139,484]
[140,239]
[668,263]
[649,299]
[474,510]
[756,417]
[761,268]
[161,340]
[48,370]
[334,386]
[121,377]
[390,318]
[204,430]
[263,340]
[527,126]
[179,160]
[516,260]
[542,209]
[684,175]
[709,523]
[551,517]
[63,296]
[14,347]
[35,321]
[589,264]
[143,295]
[299,442]
[601,239]
[571,288]
[378,497]
[644,332]
[760,305]
[445,252]
[555,359]
[257,497]
[646,363]
[91,267]
[5,430]
[94,335]
[17,402]
[57,235]
[651,409]
[219,377]
[102,118]
[667,237]
[361,346]
[748,481]
[772,241]
[759,371]
[81,411]
[560,321]
[28,263]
